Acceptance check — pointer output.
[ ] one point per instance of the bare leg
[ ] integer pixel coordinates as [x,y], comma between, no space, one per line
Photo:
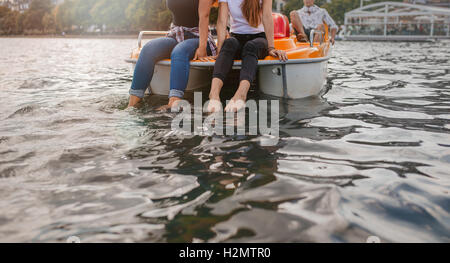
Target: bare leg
[252,50]
[222,67]
[238,101]
[133,101]
[298,26]
[214,95]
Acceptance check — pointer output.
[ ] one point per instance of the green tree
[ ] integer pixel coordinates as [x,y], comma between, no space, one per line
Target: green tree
[64,15]
[338,8]
[20,24]
[33,16]
[4,11]
[48,23]
[81,15]
[8,21]
[149,14]
[292,5]
[111,13]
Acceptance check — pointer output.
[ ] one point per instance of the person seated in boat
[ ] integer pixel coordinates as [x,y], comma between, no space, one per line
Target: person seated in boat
[312,17]
[251,38]
[189,38]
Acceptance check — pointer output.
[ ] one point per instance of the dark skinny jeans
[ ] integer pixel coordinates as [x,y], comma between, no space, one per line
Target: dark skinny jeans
[249,48]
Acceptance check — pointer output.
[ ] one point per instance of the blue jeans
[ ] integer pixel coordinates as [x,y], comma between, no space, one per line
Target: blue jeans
[163,48]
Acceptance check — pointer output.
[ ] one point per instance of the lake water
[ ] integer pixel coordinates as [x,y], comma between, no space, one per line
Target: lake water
[371,157]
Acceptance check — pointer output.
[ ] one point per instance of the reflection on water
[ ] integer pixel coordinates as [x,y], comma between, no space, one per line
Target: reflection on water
[371,157]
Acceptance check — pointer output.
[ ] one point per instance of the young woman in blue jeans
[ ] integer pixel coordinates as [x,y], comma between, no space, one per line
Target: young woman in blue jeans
[189,38]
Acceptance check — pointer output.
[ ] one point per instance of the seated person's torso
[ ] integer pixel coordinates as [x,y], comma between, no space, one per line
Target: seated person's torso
[185,12]
[311,17]
[239,24]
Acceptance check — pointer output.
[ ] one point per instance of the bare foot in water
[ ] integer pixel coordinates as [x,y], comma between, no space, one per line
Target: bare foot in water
[173,102]
[238,101]
[134,101]
[235,105]
[214,105]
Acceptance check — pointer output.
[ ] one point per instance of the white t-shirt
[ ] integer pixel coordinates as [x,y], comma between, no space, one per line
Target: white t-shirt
[239,25]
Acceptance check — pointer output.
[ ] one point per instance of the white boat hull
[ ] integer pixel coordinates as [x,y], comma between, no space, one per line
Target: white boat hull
[199,78]
[295,79]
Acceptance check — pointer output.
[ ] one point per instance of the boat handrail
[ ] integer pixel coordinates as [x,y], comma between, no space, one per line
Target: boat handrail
[142,33]
[311,36]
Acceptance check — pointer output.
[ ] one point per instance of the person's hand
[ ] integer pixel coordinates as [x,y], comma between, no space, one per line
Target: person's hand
[280,54]
[332,40]
[201,55]
[302,38]
[211,58]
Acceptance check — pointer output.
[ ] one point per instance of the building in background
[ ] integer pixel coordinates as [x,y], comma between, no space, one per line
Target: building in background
[22,5]
[438,3]
[16,5]
[279,5]
[397,21]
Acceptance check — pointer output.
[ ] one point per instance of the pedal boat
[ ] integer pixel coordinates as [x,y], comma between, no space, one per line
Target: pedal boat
[303,75]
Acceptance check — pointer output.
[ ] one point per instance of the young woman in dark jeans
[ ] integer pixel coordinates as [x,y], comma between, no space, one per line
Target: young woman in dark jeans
[251,39]
[189,38]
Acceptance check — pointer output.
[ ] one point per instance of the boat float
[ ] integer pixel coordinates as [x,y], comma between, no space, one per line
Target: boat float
[303,75]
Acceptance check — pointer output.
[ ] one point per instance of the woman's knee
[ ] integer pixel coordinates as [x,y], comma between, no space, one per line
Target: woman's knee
[250,48]
[230,45]
[154,48]
[152,45]
[183,51]
[148,50]
[179,54]
[256,48]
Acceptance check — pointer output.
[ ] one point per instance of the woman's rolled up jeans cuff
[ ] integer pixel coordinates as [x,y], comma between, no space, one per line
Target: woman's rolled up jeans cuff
[137,92]
[176,93]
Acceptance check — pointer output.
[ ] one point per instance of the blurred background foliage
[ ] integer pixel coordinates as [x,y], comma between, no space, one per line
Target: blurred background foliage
[119,16]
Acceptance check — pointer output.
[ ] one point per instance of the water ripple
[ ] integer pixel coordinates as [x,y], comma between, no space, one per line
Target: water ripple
[370,157]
